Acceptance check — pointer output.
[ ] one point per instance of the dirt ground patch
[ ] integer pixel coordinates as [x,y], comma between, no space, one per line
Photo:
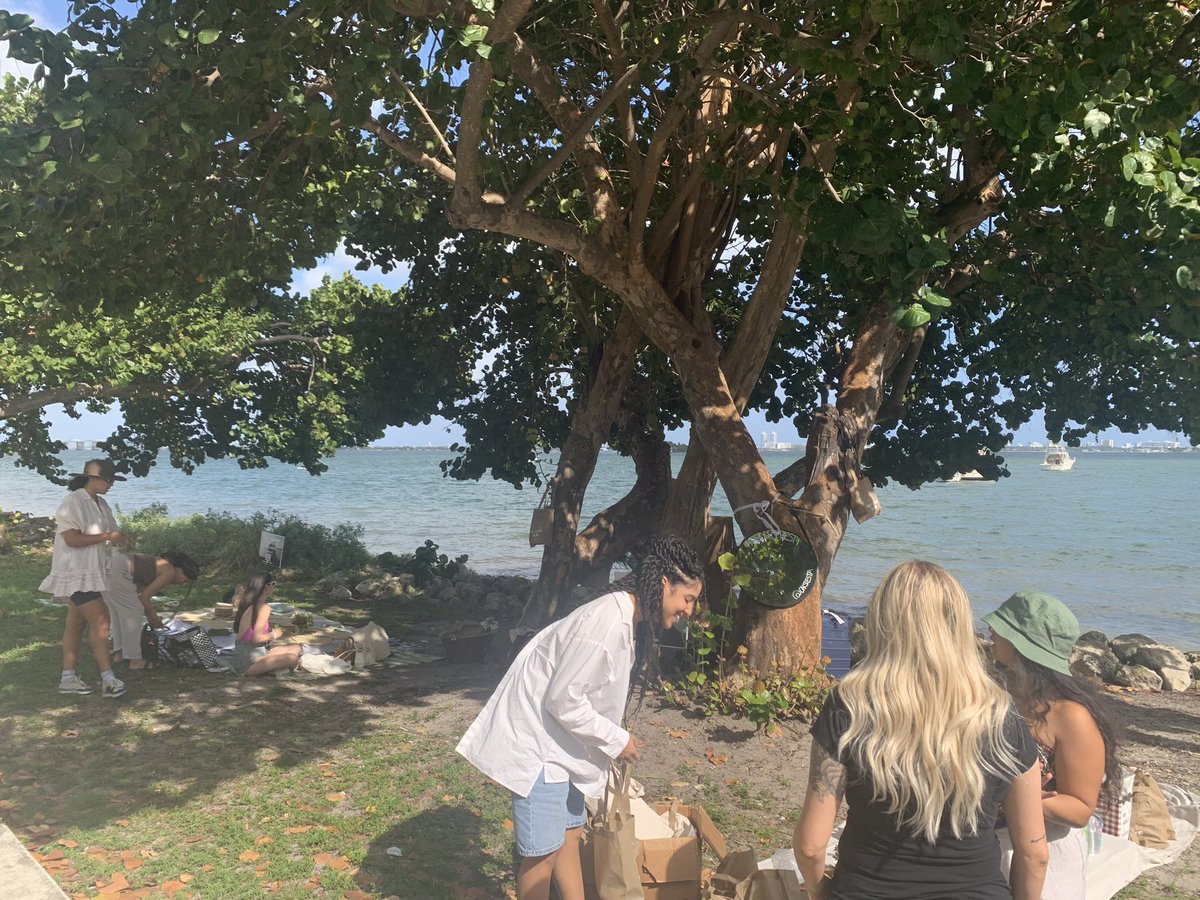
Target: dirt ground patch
[753,783]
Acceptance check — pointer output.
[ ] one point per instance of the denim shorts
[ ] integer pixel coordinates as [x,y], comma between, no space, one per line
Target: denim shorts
[541,820]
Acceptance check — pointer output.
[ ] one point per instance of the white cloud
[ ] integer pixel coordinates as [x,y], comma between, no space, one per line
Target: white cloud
[340,262]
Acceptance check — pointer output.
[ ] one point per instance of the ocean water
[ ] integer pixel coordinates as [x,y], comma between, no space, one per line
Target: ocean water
[1116,538]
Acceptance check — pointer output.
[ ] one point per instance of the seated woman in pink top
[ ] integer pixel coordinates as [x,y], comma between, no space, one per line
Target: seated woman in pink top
[252,651]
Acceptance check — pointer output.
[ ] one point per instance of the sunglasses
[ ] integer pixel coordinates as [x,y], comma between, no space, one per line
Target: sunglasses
[102,478]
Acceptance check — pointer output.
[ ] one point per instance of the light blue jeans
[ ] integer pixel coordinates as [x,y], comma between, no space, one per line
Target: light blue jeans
[542,820]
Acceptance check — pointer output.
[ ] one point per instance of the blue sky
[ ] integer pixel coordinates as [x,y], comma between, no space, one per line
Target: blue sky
[53,14]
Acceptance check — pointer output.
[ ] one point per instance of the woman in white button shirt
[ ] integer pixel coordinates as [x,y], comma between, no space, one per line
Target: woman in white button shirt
[552,727]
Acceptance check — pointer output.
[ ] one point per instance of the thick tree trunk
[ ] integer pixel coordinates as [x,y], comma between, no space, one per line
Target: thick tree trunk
[691,495]
[615,531]
[577,460]
[790,639]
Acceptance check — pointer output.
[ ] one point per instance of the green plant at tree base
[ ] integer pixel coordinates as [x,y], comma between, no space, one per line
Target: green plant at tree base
[720,685]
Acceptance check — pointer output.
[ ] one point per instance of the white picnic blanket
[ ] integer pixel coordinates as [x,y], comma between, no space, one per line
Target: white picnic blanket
[1120,861]
[1116,864]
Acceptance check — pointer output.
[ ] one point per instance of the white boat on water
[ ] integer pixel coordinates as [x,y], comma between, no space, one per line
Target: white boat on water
[1058,460]
[970,477]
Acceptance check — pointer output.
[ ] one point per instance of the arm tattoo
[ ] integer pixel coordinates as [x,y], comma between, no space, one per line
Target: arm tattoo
[826,776]
[1037,840]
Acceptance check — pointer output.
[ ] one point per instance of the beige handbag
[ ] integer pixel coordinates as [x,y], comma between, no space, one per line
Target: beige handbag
[367,646]
[1150,818]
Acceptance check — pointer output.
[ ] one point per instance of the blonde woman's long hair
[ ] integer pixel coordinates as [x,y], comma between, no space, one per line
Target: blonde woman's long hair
[926,717]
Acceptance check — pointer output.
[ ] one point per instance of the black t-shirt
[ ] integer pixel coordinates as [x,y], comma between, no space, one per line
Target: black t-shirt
[880,860]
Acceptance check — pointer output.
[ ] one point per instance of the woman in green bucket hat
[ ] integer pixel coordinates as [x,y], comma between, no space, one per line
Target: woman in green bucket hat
[1033,635]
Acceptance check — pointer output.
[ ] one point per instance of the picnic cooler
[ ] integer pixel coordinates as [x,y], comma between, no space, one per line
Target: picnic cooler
[835,643]
[670,867]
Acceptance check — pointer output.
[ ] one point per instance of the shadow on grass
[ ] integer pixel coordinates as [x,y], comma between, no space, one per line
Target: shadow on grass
[442,855]
[179,735]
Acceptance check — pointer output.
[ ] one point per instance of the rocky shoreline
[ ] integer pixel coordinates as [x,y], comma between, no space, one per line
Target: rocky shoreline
[1130,661]
[1135,661]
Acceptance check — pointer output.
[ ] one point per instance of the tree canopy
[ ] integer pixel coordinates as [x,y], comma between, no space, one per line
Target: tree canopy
[906,225]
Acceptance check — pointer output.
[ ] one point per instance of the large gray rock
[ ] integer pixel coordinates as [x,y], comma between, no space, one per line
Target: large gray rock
[1139,678]
[1196,671]
[858,640]
[1097,639]
[1126,645]
[1175,679]
[470,591]
[1089,661]
[340,592]
[1159,657]
[385,586]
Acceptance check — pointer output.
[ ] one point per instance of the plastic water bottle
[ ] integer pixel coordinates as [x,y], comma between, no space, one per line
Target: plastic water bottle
[1095,833]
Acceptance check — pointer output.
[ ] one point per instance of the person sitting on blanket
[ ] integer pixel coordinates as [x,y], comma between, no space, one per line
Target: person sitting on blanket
[552,728]
[1032,638]
[133,581]
[926,747]
[252,650]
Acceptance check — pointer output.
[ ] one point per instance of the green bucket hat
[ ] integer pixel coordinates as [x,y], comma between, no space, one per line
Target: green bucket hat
[1040,627]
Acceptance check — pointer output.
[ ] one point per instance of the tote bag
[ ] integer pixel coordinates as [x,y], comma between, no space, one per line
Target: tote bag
[614,842]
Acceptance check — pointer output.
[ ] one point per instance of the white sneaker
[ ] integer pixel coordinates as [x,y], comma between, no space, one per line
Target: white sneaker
[73,684]
[114,688]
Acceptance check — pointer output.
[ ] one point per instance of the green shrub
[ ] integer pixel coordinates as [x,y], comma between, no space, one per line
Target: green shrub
[228,545]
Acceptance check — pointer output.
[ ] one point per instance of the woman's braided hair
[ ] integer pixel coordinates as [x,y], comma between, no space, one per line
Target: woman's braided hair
[663,557]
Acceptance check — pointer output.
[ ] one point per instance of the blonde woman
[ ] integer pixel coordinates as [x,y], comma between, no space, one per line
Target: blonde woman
[927,749]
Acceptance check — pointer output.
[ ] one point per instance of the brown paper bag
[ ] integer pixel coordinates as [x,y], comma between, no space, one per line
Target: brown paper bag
[1150,819]
[614,842]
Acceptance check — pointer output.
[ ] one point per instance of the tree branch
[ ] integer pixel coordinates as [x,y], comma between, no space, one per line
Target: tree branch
[437,132]
[577,135]
[597,179]
[411,152]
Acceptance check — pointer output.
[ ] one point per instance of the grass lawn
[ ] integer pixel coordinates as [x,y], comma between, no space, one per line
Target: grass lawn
[205,785]
[210,786]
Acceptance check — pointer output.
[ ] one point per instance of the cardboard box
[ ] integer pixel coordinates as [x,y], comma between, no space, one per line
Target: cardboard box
[739,878]
[670,867]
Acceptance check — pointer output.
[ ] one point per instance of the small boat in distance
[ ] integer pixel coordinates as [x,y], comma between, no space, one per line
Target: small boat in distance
[972,476]
[1058,460]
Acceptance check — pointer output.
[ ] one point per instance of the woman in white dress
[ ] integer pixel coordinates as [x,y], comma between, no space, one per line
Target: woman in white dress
[84,535]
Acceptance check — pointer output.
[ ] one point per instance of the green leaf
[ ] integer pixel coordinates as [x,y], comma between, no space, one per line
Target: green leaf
[472,34]
[930,297]
[107,172]
[1096,121]
[72,123]
[913,316]
[208,35]
[1183,276]
[727,561]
